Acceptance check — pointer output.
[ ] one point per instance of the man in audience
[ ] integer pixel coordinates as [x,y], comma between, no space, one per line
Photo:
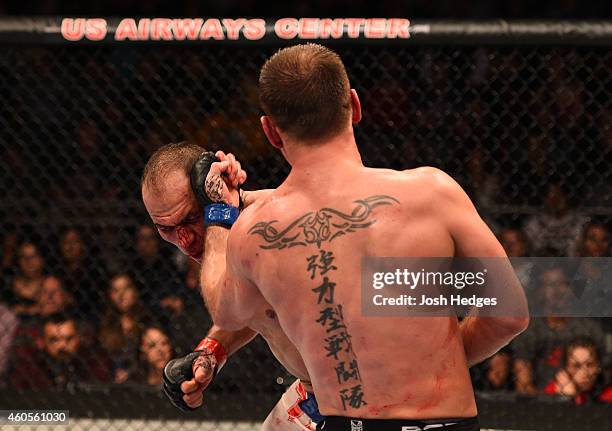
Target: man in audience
[495,374]
[53,297]
[61,362]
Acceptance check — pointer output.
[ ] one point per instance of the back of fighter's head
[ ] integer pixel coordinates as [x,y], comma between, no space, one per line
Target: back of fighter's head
[304,90]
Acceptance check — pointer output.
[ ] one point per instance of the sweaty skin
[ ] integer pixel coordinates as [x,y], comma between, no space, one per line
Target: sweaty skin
[406,367]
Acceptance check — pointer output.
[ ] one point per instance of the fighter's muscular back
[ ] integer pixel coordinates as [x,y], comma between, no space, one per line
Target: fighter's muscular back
[302,247]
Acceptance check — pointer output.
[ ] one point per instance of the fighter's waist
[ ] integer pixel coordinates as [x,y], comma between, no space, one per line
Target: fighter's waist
[332,423]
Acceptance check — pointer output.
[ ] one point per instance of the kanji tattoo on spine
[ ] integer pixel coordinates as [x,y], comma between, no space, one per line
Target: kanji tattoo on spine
[338,344]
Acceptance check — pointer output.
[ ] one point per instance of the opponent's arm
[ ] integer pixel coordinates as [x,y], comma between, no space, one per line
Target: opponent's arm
[230,298]
[186,378]
[482,336]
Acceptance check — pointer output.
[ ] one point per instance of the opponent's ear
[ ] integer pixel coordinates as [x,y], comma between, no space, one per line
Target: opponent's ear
[356,107]
[271,132]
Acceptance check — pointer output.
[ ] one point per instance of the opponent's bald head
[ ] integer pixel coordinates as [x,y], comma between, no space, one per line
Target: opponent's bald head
[305,90]
[169,159]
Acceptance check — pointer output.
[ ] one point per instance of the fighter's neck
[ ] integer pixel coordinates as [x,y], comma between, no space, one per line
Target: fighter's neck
[331,159]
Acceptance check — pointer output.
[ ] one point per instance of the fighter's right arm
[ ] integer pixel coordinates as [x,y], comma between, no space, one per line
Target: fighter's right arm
[231,340]
[482,336]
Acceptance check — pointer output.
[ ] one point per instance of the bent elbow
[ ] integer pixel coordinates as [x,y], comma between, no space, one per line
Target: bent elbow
[225,324]
[515,325]
[226,319]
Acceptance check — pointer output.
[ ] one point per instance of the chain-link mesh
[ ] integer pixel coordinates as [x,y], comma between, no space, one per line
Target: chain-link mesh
[526,131]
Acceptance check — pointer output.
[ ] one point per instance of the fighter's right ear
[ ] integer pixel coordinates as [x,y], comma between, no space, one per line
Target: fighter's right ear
[271,133]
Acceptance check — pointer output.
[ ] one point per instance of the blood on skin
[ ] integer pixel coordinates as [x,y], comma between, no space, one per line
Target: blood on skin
[436,397]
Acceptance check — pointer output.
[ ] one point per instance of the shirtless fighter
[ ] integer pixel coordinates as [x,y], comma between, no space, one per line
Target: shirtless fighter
[295,257]
[178,216]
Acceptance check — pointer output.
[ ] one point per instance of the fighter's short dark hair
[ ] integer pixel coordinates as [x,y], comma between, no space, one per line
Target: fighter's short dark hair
[305,90]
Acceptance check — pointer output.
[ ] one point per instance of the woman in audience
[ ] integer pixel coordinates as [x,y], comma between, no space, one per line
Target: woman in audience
[155,352]
[122,325]
[24,288]
[580,377]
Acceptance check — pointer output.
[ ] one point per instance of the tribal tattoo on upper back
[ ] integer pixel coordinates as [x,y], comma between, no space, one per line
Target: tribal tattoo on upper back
[321,226]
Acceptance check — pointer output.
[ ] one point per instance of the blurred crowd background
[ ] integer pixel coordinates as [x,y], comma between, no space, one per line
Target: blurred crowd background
[89,293]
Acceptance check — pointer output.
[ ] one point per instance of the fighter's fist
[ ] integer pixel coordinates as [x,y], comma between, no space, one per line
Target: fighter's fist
[224,178]
[186,378]
[216,178]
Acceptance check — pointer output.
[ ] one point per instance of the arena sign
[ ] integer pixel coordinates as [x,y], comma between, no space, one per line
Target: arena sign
[193,29]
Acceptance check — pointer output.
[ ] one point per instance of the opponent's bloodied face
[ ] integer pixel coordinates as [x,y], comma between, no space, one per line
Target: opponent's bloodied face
[176,214]
[61,340]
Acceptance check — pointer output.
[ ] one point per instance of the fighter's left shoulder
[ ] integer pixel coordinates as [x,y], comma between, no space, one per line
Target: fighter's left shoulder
[430,176]
[434,184]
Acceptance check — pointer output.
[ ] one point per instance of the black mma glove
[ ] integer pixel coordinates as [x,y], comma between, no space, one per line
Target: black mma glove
[197,178]
[209,354]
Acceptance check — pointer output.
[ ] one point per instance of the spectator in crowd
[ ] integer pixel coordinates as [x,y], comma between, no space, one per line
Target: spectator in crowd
[8,326]
[61,362]
[516,245]
[158,278]
[594,240]
[581,377]
[122,326]
[594,275]
[557,227]
[81,273]
[495,374]
[553,293]
[53,297]
[538,352]
[24,287]
[155,351]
